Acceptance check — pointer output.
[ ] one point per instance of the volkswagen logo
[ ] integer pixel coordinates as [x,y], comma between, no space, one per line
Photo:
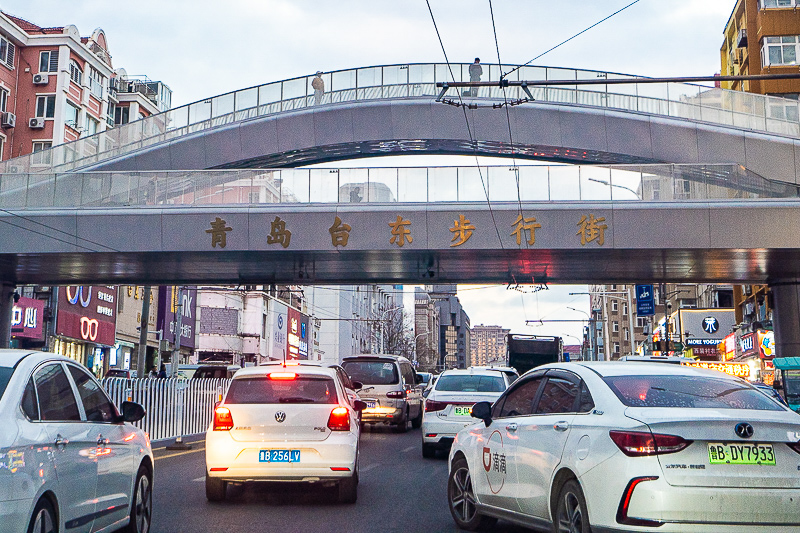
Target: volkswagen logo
[280,416]
[744,430]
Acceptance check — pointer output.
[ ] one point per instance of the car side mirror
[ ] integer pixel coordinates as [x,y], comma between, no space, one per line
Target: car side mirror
[357,385]
[359,406]
[482,410]
[132,412]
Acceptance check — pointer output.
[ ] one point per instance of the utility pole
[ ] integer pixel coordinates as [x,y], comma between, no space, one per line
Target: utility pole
[176,353]
[141,371]
[665,340]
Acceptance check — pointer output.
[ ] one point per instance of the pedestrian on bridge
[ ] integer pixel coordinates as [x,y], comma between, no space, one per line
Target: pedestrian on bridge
[318,84]
[475,73]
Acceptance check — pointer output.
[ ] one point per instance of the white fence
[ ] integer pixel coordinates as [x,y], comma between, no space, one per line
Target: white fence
[174,406]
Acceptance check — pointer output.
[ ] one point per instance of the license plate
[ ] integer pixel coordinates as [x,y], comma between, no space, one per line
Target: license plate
[279,456]
[462,410]
[740,454]
[371,404]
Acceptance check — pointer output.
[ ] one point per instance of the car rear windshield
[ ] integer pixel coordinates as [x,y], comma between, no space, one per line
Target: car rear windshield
[5,377]
[372,372]
[467,383]
[688,391]
[302,389]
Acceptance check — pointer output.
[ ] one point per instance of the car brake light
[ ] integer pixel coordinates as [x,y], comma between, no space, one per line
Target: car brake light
[282,376]
[396,394]
[794,445]
[223,420]
[339,419]
[431,405]
[643,443]
[622,510]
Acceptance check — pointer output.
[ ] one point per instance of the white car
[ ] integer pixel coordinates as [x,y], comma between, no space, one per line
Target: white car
[629,447]
[448,404]
[68,460]
[285,424]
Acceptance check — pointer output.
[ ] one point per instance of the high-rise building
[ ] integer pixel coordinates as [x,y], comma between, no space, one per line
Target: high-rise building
[453,348]
[426,331]
[488,345]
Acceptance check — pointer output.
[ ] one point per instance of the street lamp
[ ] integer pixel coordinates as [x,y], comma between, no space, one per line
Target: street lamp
[608,183]
[592,332]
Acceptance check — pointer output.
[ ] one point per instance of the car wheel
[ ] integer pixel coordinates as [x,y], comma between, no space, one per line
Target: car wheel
[215,489]
[416,423]
[348,489]
[428,450]
[141,503]
[44,518]
[402,425]
[461,499]
[571,513]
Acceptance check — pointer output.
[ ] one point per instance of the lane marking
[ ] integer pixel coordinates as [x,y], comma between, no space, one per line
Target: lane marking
[368,468]
[179,453]
[410,448]
[199,479]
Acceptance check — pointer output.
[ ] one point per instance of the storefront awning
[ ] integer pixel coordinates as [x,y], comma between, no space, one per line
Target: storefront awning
[787,363]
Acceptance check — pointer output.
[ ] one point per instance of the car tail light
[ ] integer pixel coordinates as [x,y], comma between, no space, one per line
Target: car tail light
[223,420]
[396,394]
[339,419]
[282,376]
[431,405]
[795,446]
[622,510]
[642,443]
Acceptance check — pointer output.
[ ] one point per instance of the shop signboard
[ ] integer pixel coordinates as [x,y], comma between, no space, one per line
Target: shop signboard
[305,324]
[278,330]
[645,304]
[730,347]
[88,313]
[293,336]
[748,344]
[26,318]
[167,307]
[766,344]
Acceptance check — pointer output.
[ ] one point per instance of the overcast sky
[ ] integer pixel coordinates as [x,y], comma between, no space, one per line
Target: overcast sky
[202,48]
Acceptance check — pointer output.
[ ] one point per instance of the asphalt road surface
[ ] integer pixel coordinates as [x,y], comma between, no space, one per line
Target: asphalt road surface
[399,491]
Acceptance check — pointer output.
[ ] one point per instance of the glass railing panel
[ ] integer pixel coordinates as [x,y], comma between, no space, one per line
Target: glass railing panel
[246,99]
[534,183]
[13,190]
[395,75]
[323,185]
[296,88]
[41,189]
[223,105]
[631,89]
[294,186]
[595,183]
[369,77]
[424,73]
[370,93]
[532,73]
[653,106]
[594,76]
[422,89]
[94,189]
[625,184]
[269,93]
[123,187]
[442,184]
[590,98]
[383,185]
[354,187]
[658,91]
[266,185]
[472,184]
[783,127]
[503,184]
[412,185]
[342,80]
[67,190]
[564,183]
[199,111]
[622,101]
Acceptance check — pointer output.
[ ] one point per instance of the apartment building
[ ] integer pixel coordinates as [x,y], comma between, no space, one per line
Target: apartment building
[488,345]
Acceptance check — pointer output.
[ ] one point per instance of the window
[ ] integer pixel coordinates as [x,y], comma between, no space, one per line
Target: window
[519,400]
[56,400]
[75,72]
[768,4]
[72,115]
[42,155]
[779,50]
[625,309]
[7,51]
[48,61]
[470,383]
[121,115]
[641,321]
[3,99]
[614,307]
[783,106]
[615,326]
[303,389]
[91,125]
[587,403]
[616,348]
[96,83]
[46,106]
[558,396]
[96,405]
[625,334]
[30,405]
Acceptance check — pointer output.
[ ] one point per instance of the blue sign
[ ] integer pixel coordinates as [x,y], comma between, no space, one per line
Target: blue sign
[645,304]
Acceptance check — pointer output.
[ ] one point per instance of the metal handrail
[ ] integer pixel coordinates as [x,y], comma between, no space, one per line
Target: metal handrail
[684,101]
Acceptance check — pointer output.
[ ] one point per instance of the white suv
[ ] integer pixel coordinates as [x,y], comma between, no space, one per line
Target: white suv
[284,423]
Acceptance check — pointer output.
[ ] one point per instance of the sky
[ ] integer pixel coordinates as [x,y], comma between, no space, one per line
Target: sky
[201,48]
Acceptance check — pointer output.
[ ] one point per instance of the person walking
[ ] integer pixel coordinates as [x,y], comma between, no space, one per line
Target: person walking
[318,84]
[153,372]
[475,73]
[163,372]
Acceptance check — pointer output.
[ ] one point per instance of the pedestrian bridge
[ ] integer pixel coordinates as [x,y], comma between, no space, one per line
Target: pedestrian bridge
[517,224]
[392,109]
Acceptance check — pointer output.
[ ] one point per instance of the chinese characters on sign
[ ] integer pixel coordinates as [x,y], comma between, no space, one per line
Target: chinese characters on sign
[340,232]
[400,233]
[591,230]
[462,230]
[278,233]
[521,225]
[219,232]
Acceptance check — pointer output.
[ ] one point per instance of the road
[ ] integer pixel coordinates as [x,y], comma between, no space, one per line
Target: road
[399,491]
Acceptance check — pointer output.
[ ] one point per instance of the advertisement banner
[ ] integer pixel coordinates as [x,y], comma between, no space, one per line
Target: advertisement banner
[766,344]
[168,304]
[645,305]
[305,325]
[26,318]
[278,330]
[88,313]
[293,338]
[748,343]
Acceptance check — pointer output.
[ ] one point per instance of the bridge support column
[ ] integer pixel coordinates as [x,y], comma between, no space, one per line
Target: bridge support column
[786,317]
[6,306]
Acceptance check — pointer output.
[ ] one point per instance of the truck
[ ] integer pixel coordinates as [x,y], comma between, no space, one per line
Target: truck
[529,351]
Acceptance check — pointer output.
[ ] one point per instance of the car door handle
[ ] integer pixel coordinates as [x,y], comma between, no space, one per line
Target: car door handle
[561,426]
[512,427]
[61,441]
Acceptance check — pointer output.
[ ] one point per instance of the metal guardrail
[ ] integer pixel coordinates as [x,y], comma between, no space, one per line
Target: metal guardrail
[685,101]
[174,406]
[388,185]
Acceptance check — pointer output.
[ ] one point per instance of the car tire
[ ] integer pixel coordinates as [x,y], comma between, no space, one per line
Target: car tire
[416,423]
[43,519]
[141,516]
[461,499]
[348,489]
[571,514]
[216,489]
[428,450]
[402,425]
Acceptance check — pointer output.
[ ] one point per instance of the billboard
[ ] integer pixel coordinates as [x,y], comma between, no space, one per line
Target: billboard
[297,337]
[88,313]
[278,330]
[645,305]
[26,318]
[168,304]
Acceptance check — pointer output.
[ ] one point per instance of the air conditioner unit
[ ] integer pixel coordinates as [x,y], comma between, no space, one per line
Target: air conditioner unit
[36,123]
[41,78]
[8,120]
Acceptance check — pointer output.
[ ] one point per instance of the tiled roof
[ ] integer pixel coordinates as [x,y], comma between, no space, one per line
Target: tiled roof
[29,27]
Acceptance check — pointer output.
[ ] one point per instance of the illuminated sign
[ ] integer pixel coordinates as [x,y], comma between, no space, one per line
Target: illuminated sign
[88,313]
[766,344]
[741,370]
[26,318]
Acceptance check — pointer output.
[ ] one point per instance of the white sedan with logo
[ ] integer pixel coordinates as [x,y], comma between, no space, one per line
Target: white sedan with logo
[284,424]
[617,446]
[448,405]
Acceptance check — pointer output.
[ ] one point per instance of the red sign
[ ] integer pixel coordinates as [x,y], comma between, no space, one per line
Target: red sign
[26,318]
[88,313]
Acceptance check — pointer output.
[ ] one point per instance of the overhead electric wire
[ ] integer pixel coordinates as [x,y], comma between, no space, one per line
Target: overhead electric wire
[68,234]
[568,40]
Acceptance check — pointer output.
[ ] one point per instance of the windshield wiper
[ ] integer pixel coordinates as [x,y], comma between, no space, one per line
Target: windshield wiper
[295,399]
